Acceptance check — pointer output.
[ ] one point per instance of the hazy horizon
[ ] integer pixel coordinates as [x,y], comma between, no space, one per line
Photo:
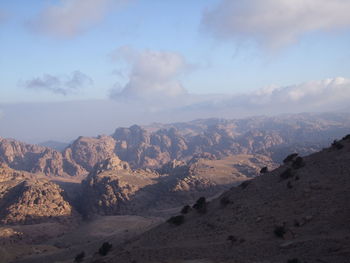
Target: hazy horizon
[75,67]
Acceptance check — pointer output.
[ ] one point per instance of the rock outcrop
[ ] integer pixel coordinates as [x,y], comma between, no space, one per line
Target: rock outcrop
[26,199]
[113,188]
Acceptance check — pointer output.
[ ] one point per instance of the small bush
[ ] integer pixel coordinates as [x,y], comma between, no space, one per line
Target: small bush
[347,137]
[298,163]
[185,209]
[245,184]
[105,248]
[264,170]
[201,205]
[232,238]
[225,201]
[79,257]
[287,174]
[293,260]
[337,145]
[289,185]
[176,220]
[280,231]
[290,158]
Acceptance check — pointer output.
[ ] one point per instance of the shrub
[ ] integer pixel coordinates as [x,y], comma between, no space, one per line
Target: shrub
[176,220]
[279,231]
[337,145]
[289,185]
[185,209]
[225,201]
[201,205]
[232,238]
[347,137]
[105,248]
[286,174]
[264,170]
[290,158]
[79,257]
[245,184]
[298,163]
[293,260]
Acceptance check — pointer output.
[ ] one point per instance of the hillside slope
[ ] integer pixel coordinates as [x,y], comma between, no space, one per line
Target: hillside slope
[298,213]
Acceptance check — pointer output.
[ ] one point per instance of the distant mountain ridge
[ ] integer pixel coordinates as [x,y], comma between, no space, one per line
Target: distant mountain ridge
[154,146]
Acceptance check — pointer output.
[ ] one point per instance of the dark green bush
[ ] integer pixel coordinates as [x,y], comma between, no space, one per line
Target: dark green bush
[298,163]
[176,220]
[79,257]
[337,145]
[264,170]
[201,205]
[185,209]
[287,174]
[245,184]
[105,248]
[290,158]
[280,231]
[347,137]
[225,201]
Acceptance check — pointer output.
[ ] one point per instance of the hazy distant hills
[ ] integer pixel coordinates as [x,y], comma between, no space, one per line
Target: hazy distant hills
[155,145]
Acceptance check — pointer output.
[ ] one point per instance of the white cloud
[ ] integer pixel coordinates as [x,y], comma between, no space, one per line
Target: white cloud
[152,73]
[313,96]
[71,17]
[275,23]
[60,85]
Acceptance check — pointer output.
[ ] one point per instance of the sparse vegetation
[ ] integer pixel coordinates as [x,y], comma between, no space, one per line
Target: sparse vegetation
[347,137]
[225,201]
[264,170]
[337,145]
[280,231]
[185,209]
[79,257]
[232,239]
[105,248]
[298,163]
[245,184]
[176,220]
[290,158]
[201,205]
[287,174]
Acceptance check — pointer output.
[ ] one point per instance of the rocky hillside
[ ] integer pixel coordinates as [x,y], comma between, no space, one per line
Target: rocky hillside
[113,188]
[154,146]
[28,199]
[297,213]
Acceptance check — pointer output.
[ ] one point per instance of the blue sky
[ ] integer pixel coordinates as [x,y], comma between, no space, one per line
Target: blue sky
[175,26]
[171,56]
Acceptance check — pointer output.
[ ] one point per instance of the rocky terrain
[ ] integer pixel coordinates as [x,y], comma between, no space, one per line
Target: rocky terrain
[298,212]
[155,145]
[113,188]
[27,199]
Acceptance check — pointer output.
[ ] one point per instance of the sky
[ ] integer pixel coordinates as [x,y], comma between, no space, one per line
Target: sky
[86,67]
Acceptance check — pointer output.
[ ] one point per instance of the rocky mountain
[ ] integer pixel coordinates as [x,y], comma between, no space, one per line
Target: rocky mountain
[296,213]
[112,188]
[27,199]
[156,145]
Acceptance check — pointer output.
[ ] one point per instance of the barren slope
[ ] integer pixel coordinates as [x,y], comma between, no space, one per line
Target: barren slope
[302,215]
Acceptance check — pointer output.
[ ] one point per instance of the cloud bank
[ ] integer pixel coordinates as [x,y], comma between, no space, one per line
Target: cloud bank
[313,96]
[69,18]
[153,74]
[275,23]
[65,85]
